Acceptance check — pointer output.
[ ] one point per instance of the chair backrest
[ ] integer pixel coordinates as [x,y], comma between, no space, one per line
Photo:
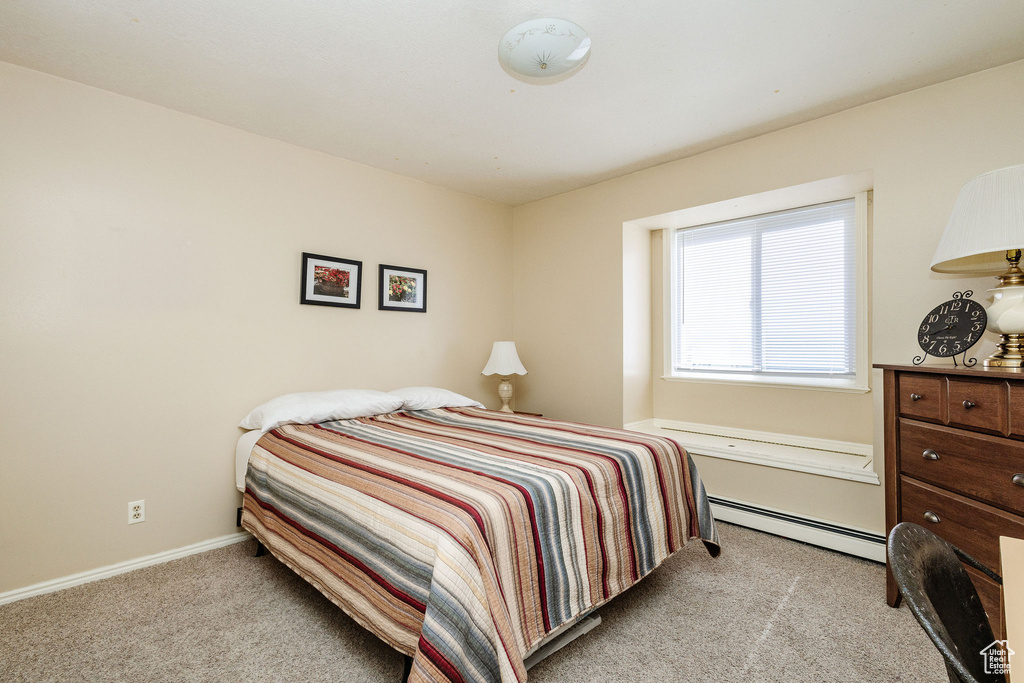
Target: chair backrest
[941,596]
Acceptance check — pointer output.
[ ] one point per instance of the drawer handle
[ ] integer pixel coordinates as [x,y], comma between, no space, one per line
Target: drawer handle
[932,517]
[1018,479]
[968,405]
[929,454]
[916,397]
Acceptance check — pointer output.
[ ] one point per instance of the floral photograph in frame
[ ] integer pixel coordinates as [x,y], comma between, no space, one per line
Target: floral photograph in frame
[331,281]
[402,289]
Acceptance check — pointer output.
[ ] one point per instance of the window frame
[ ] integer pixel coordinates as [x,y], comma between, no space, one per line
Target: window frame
[859,383]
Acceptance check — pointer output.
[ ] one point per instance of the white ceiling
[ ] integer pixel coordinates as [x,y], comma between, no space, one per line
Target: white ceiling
[415,87]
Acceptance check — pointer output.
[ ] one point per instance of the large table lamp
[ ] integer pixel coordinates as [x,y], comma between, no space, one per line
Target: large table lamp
[984,236]
[504,361]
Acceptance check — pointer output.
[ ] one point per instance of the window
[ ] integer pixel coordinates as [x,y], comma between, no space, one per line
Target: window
[771,298]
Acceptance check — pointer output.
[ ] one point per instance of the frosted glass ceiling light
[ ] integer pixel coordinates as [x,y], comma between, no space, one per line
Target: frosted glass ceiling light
[544,50]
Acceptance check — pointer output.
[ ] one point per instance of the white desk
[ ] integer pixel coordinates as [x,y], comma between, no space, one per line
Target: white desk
[1011,560]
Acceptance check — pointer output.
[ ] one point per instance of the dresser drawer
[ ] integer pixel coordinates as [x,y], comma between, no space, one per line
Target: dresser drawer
[922,396]
[1016,404]
[988,591]
[977,465]
[978,405]
[971,526]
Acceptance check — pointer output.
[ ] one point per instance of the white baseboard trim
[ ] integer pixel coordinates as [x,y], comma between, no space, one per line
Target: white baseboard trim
[850,540]
[120,568]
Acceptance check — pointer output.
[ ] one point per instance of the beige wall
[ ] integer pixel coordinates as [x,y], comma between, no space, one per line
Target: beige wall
[637,284]
[149,283]
[921,148]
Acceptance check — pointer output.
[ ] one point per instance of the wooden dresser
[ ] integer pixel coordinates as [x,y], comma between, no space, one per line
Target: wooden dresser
[954,461]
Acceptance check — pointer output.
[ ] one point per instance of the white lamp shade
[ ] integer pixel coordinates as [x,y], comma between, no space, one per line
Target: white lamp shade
[987,221]
[541,50]
[504,360]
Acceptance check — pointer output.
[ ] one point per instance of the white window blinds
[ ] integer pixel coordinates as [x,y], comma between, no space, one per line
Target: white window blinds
[770,295]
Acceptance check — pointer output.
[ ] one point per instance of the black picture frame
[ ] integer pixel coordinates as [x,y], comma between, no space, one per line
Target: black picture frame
[330,291]
[388,299]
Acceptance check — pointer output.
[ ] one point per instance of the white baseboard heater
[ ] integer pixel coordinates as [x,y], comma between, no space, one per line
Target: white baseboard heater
[852,541]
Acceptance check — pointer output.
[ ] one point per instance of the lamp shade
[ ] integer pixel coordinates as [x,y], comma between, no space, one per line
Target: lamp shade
[504,360]
[987,221]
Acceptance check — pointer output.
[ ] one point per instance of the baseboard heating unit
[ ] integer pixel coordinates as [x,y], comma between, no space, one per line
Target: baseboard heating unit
[859,542]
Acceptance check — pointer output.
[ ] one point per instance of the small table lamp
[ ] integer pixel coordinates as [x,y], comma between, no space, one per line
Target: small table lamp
[504,361]
[985,235]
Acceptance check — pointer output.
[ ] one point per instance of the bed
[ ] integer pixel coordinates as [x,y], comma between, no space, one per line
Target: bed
[465,537]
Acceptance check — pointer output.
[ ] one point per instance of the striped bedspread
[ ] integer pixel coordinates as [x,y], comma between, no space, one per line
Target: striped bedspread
[463,536]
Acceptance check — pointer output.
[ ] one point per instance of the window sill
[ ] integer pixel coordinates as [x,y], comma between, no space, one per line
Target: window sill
[823,457]
[814,385]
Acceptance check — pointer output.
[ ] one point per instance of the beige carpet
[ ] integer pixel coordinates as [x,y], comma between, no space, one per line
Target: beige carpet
[768,609]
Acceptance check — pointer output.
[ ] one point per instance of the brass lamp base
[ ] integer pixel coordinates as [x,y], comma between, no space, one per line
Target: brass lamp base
[1005,316]
[1009,352]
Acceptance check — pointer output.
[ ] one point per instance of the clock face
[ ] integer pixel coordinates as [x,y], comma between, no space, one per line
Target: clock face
[952,327]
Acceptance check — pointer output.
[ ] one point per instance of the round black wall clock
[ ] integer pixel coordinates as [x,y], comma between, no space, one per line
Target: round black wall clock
[952,328]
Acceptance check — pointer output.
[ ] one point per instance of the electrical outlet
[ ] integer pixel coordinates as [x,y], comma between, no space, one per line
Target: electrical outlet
[136,511]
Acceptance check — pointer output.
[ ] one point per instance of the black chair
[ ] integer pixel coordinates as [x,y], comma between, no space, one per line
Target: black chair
[940,594]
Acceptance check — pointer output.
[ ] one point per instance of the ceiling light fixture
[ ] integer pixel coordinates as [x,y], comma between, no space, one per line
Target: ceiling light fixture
[544,50]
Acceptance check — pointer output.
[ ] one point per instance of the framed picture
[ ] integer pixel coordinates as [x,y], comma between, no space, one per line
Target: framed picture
[329,281]
[402,289]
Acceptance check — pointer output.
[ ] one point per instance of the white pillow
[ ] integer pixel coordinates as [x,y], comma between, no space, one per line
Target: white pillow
[426,398]
[320,406]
